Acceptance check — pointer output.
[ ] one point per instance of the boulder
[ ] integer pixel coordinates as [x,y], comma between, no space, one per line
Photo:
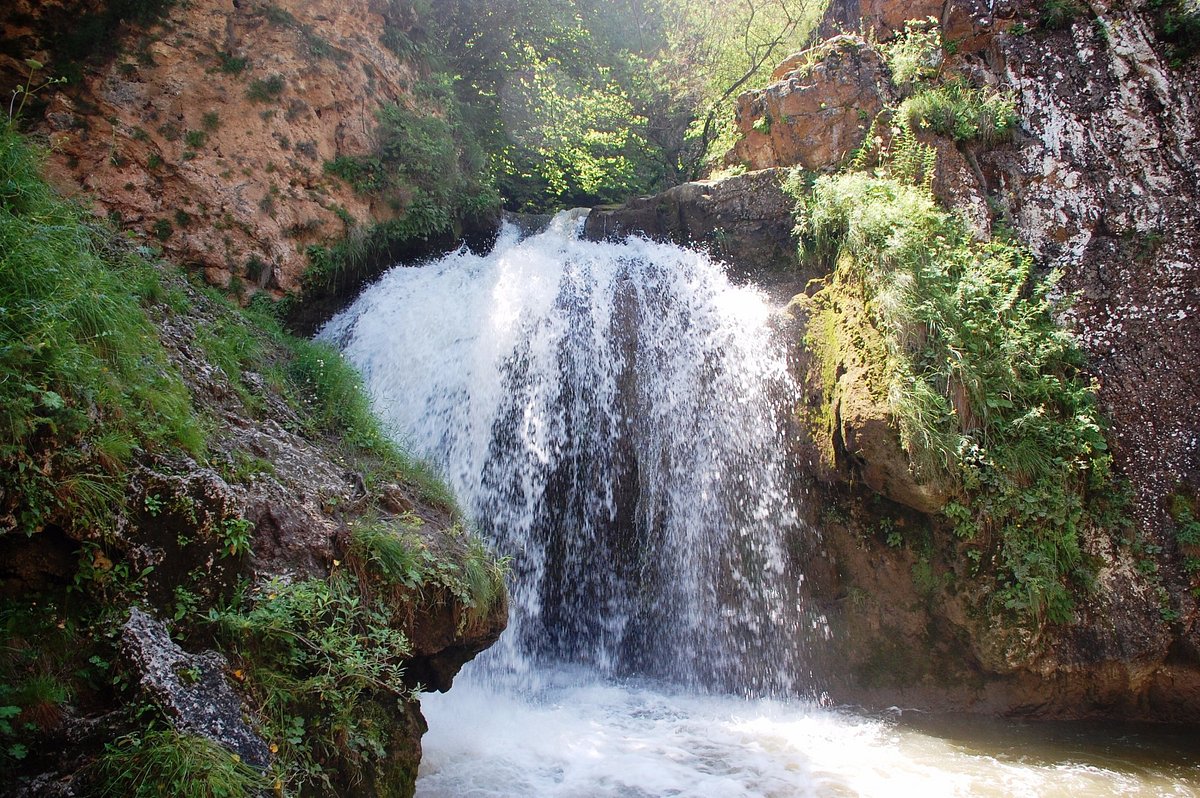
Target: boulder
[190,689]
[817,112]
[744,220]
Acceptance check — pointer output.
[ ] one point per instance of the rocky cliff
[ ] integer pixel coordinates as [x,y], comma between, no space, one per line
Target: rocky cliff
[1098,179]
[208,125]
[216,573]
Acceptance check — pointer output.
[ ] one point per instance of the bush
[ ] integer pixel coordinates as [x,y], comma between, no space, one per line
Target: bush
[317,656]
[915,54]
[231,64]
[1059,14]
[265,91]
[1178,24]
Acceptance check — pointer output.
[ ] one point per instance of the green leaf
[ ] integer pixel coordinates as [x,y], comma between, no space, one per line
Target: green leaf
[52,401]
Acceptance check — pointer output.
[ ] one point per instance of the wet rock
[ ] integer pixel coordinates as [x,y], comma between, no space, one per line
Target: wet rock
[856,438]
[744,220]
[445,635]
[189,688]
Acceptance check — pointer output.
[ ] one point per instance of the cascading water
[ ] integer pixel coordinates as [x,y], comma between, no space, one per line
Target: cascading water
[612,416]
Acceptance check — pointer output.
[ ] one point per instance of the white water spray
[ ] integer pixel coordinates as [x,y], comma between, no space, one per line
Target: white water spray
[612,416]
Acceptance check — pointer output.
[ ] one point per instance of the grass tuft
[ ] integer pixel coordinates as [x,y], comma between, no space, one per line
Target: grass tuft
[159,763]
[84,380]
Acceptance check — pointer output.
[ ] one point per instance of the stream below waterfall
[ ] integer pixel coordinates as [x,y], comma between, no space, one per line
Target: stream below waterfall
[613,417]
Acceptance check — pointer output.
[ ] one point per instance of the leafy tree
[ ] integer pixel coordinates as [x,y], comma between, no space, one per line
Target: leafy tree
[584,101]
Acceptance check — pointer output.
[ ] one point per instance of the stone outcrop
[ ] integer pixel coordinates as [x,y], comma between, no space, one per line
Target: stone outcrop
[190,689]
[818,111]
[745,220]
[210,132]
[859,440]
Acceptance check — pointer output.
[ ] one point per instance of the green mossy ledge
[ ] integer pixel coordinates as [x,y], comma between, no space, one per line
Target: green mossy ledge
[165,450]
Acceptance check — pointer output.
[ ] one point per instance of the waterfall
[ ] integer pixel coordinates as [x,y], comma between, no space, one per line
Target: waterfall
[611,416]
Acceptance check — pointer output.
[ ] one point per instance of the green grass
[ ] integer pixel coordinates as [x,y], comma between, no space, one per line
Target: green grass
[397,554]
[325,391]
[83,378]
[160,763]
[986,387]
[334,401]
[961,111]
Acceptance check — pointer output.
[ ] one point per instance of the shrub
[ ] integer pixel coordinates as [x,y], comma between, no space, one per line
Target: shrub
[1178,24]
[265,91]
[318,655]
[1058,14]
[231,64]
[915,54]
[962,112]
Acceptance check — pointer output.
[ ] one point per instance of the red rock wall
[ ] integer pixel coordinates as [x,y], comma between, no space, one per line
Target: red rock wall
[174,144]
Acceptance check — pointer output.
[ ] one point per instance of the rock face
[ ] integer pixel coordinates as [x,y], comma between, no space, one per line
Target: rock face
[210,133]
[817,113]
[860,441]
[745,220]
[1100,183]
[1105,187]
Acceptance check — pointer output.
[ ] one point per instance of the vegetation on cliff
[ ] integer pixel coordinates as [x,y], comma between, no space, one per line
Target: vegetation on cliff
[83,380]
[985,386]
[127,393]
[987,390]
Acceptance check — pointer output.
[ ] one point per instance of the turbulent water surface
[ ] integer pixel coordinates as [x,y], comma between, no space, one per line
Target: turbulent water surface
[613,416]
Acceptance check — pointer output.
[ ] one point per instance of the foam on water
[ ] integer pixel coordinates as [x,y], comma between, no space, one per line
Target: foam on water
[576,739]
